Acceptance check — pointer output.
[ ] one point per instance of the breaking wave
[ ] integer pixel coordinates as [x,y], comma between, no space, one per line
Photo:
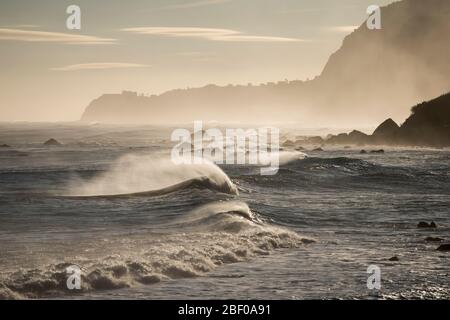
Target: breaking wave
[214,234]
[146,176]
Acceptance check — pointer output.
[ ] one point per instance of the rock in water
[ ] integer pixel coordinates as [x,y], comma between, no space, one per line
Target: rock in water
[5,146]
[433,239]
[386,131]
[52,142]
[444,247]
[288,143]
[394,259]
[424,225]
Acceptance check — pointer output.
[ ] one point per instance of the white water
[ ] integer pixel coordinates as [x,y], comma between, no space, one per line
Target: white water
[132,173]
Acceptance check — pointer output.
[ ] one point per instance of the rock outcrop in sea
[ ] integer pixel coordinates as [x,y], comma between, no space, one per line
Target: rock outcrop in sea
[428,125]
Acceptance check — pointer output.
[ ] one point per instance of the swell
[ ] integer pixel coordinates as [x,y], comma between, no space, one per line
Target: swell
[213,235]
[347,173]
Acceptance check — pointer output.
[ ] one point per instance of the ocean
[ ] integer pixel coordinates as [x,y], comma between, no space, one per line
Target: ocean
[109,201]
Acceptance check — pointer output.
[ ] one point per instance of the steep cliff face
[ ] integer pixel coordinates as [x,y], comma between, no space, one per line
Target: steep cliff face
[429,123]
[380,73]
[374,75]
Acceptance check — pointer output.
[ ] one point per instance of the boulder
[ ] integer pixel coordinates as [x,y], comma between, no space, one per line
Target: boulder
[5,146]
[444,247]
[426,225]
[341,138]
[317,149]
[363,151]
[52,142]
[357,137]
[288,143]
[387,129]
[377,151]
[314,140]
[395,258]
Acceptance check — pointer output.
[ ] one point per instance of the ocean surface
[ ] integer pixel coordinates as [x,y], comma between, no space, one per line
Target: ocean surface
[206,231]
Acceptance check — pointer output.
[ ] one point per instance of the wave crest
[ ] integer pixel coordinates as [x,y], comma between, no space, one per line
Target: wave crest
[134,175]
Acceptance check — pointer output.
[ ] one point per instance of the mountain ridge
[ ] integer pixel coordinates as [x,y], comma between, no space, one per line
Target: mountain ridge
[374,74]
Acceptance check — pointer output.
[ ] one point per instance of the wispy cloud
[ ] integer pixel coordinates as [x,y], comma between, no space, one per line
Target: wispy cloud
[211,34]
[194,4]
[44,36]
[99,65]
[22,26]
[343,29]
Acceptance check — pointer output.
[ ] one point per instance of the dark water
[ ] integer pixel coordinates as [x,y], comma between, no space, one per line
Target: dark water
[311,231]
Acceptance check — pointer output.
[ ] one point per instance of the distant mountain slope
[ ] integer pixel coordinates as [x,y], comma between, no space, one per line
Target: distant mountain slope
[381,73]
[374,75]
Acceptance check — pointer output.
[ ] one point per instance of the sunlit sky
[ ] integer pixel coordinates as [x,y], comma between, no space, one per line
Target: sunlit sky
[50,73]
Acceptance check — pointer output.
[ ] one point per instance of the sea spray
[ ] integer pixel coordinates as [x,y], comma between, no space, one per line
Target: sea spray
[134,174]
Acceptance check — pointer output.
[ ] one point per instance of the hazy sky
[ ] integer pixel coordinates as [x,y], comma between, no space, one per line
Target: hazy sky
[50,73]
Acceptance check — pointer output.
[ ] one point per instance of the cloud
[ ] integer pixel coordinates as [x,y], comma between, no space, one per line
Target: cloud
[343,29]
[99,65]
[211,34]
[44,36]
[22,26]
[195,4]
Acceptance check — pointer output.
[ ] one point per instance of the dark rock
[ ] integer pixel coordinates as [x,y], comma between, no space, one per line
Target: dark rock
[300,149]
[318,149]
[363,151]
[52,142]
[423,224]
[395,258]
[444,247]
[429,124]
[426,225]
[357,137]
[341,138]
[387,129]
[5,146]
[377,151]
[433,239]
[288,143]
[314,140]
